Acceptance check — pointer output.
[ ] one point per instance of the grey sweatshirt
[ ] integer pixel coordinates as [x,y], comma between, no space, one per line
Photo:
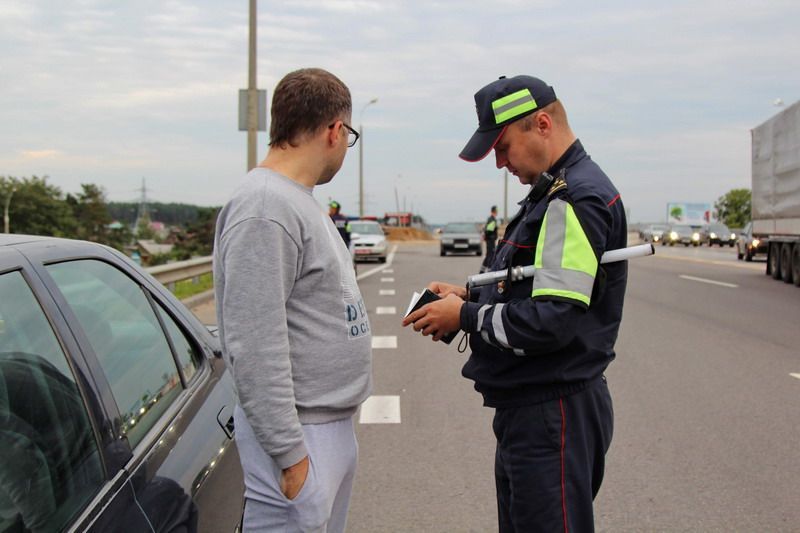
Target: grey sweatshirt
[293,325]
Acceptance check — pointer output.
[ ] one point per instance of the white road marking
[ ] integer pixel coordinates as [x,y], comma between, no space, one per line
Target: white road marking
[711,281]
[386,292]
[795,375]
[388,341]
[387,280]
[380,410]
[386,310]
[388,271]
[381,268]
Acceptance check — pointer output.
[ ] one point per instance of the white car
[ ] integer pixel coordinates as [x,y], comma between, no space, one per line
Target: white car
[367,240]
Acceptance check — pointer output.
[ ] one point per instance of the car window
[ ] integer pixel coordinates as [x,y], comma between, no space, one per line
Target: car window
[127,338]
[460,228]
[366,229]
[188,354]
[51,466]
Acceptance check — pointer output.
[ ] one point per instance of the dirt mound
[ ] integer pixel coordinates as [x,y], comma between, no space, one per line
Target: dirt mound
[407,234]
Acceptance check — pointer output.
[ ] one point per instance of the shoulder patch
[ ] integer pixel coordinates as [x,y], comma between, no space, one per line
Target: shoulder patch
[560,183]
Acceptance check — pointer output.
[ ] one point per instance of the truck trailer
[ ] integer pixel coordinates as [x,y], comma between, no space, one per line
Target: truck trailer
[776,191]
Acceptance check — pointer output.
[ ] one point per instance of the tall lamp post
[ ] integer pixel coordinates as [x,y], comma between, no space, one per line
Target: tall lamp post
[5,208]
[361,159]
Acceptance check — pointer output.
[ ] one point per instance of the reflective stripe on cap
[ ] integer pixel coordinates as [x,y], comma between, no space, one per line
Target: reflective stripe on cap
[513,105]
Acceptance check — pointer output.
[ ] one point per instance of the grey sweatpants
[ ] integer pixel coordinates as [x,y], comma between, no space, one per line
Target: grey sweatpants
[321,506]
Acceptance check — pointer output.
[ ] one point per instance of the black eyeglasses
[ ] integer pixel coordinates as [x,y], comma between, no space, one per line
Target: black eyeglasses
[352,135]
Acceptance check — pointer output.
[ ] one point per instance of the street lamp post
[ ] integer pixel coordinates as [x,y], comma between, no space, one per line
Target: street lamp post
[5,208]
[361,159]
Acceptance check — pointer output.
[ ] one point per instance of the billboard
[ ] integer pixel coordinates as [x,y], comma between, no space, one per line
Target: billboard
[685,213]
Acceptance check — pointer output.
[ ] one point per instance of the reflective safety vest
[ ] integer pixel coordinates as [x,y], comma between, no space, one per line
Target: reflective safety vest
[490,229]
[546,337]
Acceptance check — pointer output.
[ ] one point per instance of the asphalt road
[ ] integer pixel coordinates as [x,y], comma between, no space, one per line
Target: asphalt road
[706,404]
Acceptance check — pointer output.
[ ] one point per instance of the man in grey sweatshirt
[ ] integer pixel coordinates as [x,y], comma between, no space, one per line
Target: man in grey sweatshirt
[293,325]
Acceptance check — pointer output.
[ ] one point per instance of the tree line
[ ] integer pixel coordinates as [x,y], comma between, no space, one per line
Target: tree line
[36,207]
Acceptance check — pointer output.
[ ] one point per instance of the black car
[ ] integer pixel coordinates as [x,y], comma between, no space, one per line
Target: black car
[718,234]
[460,237]
[116,407]
[681,234]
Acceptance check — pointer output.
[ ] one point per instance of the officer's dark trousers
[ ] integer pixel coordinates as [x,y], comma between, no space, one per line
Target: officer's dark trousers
[487,260]
[550,459]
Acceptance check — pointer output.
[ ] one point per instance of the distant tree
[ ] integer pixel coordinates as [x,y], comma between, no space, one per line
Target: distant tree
[91,214]
[733,208]
[197,239]
[38,208]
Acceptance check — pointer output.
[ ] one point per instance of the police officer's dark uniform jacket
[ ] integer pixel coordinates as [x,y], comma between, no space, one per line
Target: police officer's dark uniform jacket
[543,338]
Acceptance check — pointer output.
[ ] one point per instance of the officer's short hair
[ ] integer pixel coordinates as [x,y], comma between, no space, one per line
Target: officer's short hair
[305,101]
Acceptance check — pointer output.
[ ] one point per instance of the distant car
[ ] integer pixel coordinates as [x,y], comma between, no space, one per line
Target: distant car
[718,233]
[749,246]
[460,237]
[116,407]
[653,233]
[681,234]
[368,240]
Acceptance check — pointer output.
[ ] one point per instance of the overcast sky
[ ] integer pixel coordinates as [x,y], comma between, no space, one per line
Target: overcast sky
[662,94]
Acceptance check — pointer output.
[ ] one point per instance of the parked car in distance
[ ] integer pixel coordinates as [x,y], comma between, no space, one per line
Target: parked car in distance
[653,232]
[681,234]
[116,406]
[749,246]
[368,240]
[717,233]
[460,237]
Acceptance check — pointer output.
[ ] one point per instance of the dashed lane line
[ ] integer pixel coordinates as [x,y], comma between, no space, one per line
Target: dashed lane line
[710,281]
[386,341]
[380,410]
[386,310]
[386,292]
[387,280]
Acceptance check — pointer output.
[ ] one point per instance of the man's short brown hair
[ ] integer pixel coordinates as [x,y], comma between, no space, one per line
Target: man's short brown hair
[305,101]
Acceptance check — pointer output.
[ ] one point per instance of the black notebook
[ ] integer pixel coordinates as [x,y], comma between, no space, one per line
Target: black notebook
[420,299]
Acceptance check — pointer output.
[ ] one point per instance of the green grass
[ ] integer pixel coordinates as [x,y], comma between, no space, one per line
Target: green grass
[187,288]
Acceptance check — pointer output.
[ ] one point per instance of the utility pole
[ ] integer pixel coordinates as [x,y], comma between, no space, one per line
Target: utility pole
[5,208]
[361,159]
[252,93]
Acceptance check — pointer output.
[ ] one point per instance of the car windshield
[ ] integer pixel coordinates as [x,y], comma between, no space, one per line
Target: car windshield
[682,229]
[659,227]
[719,228]
[461,227]
[365,229]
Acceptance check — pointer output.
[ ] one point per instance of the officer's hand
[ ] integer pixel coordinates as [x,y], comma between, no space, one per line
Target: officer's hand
[443,289]
[437,318]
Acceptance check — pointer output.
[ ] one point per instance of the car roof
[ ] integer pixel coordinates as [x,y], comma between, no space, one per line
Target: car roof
[11,239]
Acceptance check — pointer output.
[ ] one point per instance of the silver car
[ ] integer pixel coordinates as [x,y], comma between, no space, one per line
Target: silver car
[368,240]
[460,237]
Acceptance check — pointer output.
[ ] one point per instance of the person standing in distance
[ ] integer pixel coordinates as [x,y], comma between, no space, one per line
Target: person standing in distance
[490,236]
[341,222]
[540,346]
[293,325]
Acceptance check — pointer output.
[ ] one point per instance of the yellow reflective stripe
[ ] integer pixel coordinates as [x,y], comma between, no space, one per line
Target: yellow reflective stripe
[490,226]
[572,295]
[513,105]
[578,253]
[537,261]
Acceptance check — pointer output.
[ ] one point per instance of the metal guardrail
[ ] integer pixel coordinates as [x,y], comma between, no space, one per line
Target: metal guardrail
[181,270]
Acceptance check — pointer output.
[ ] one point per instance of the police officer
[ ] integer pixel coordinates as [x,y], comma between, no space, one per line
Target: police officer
[490,236]
[540,346]
[341,222]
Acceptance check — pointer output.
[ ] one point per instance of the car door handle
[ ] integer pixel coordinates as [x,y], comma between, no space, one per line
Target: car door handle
[228,425]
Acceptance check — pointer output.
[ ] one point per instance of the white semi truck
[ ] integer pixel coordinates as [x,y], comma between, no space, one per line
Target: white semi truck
[776,191]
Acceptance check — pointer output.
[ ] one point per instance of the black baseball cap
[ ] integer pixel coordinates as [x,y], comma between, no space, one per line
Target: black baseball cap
[500,103]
